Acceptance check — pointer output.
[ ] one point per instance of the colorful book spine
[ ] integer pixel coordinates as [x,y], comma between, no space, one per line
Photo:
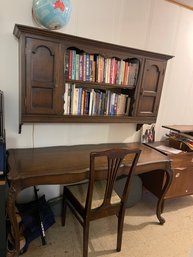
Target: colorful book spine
[77,66]
[126,73]
[92,69]
[70,64]
[74,103]
[79,101]
[87,67]
[87,102]
[73,64]
[84,66]
[81,63]
[112,70]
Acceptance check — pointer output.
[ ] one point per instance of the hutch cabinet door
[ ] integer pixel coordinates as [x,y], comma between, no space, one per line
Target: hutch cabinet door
[44,77]
[151,87]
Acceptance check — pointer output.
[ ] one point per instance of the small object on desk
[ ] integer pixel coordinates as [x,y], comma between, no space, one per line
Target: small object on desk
[168,149]
[148,133]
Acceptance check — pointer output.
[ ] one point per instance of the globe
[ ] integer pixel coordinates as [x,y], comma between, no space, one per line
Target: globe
[51,14]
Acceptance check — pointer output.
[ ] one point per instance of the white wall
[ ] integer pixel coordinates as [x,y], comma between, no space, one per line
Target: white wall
[154,25]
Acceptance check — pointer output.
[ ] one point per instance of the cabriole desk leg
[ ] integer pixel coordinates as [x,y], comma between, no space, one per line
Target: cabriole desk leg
[160,204]
[11,211]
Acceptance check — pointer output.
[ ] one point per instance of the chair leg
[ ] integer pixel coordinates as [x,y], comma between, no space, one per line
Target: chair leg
[64,205]
[85,239]
[120,229]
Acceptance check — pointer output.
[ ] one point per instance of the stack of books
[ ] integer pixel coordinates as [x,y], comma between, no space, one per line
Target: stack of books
[80,101]
[83,66]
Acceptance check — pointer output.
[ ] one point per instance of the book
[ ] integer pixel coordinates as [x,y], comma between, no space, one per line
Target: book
[70,64]
[66,99]
[122,70]
[127,105]
[133,73]
[91,102]
[112,70]
[122,104]
[92,68]
[106,70]
[87,67]
[87,101]
[84,67]
[79,101]
[74,97]
[83,102]
[126,74]
[107,102]
[66,63]
[81,64]
[100,68]
[73,72]
[77,66]
[112,104]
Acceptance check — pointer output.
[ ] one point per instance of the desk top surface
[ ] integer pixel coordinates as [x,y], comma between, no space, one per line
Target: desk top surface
[59,160]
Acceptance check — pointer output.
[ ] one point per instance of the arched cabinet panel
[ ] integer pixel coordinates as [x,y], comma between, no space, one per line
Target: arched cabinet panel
[43,94]
[151,87]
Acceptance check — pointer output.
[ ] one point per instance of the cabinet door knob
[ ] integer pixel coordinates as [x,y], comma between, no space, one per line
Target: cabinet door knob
[177,175]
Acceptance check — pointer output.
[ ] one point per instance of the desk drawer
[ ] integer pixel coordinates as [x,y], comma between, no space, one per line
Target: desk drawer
[182,183]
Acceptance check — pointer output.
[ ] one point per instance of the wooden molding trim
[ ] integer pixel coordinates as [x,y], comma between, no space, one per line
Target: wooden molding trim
[180,4]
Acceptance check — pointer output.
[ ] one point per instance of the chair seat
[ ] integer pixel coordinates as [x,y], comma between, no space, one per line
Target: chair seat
[80,193]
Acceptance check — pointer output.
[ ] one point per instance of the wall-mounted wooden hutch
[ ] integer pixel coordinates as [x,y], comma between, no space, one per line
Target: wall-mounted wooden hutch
[67,79]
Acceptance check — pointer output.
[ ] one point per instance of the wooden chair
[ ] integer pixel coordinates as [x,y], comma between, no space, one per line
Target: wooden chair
[97,198]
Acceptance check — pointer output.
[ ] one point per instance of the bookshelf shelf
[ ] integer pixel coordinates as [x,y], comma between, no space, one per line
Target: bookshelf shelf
[115,84]
[101,85]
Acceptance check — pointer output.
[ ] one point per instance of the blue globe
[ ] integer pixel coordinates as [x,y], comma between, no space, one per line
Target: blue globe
[51,14]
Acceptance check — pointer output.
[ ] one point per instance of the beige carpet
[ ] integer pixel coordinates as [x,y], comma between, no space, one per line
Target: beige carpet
[142,237]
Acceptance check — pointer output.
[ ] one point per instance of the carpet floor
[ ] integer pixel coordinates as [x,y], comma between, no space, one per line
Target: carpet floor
[142,236]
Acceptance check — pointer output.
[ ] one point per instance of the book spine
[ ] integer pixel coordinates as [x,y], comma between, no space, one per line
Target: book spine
[73,64]
[66,63]
[77,66]
[70,65]
[66,99]
[81,63]
[87,64]
[125,82]
[83,102]
[84,67]
[87,102]
[118,72]
[75,94]
[91,67]
[91,102]
[79,101]
[127,105]
[112,70]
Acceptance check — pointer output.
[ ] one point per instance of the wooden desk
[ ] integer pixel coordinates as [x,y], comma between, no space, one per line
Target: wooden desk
[182,167]
[68,164]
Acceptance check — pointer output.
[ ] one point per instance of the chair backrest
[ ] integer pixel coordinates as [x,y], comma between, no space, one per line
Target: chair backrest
[112,161]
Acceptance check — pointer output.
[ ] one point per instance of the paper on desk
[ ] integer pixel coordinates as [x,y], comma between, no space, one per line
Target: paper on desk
[168,149]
